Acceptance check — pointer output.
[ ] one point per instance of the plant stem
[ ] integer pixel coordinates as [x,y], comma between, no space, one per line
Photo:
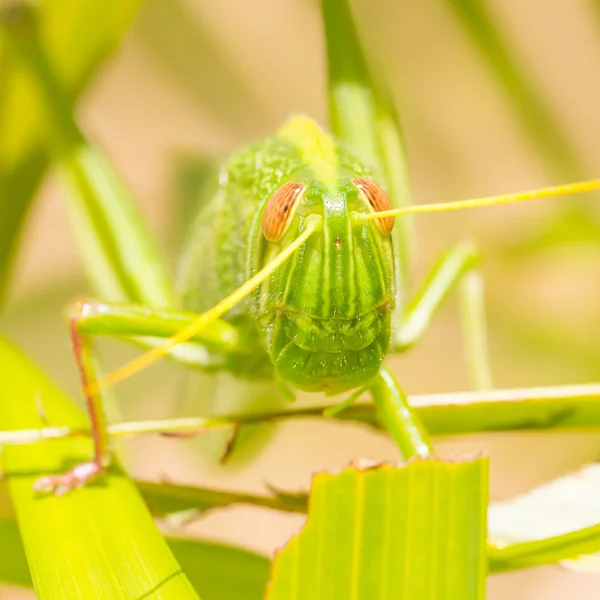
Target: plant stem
[166,498]
[559,407]
[545,551]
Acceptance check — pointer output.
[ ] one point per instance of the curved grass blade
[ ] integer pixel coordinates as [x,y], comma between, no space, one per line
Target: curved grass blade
[554,522]
[576,221]
[17,187]
[527,102]
[96,542]
[172,33]
[165,499]
[195,181]
[362,114]
[364,524]
[94,28]
[118,250]
[120,256]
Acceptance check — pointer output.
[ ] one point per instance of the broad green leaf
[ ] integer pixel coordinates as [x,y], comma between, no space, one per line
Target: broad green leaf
[95,542]
[376,533]
[556,521]
[218,572]
[94,28]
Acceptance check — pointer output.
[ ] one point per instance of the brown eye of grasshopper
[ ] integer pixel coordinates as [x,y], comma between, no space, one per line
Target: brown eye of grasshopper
[280,209]
[378,200]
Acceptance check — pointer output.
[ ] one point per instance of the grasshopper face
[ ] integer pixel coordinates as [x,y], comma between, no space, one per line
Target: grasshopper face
[326,315]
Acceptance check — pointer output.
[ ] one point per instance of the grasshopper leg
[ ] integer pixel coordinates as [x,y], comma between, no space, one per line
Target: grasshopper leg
[87,471]
[89,318]
[399,417]
[458,266]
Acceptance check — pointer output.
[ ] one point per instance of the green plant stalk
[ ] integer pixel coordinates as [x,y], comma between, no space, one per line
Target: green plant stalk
[520,91]
[101,208]
[362,113]
[173,32]
[538,409]
[166,499]
[17,187]
[120,552]
[24,154]
[545,551]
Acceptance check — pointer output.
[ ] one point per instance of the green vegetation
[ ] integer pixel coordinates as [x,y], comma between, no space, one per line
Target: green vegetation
[422,527]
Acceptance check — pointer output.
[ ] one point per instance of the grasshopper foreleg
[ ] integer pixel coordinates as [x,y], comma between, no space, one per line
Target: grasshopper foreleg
[84,472]
[400,419]
[89,318]
[458,266]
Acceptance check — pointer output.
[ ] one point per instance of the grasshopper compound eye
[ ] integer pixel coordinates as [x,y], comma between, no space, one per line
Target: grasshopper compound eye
[280,209]
[377,200]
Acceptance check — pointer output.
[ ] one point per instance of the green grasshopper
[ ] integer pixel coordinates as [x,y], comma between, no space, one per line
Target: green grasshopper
[296,270]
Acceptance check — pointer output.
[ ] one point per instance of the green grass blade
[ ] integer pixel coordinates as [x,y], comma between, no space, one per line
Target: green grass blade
[172,33]
[556,521]
[362,114]
[120,255]
[118,250]
[217,571]
[94,28]
[17,187]
[559,407]
[538,408]
[220,572]
[520,91]
[364,524]
[543,408]
[96,542]
[457,413]
[195,181]
[166,499]
[572,549]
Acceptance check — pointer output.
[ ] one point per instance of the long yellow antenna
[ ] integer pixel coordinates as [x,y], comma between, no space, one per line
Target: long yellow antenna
[559,190]
[206,318]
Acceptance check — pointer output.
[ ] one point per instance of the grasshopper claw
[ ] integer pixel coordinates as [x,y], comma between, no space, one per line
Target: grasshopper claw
[76,477]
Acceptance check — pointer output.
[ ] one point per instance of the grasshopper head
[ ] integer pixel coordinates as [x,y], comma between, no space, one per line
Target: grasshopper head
[325,315]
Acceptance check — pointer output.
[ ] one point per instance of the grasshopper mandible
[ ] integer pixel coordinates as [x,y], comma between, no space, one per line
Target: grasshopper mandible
[296,270]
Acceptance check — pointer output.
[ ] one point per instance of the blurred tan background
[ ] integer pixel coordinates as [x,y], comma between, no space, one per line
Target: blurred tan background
[195,79]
